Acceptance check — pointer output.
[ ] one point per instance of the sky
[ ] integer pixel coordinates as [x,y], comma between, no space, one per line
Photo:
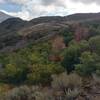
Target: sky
[29,9]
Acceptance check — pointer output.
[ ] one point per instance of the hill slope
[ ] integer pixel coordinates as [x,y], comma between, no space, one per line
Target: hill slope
[83,17]
[14,32]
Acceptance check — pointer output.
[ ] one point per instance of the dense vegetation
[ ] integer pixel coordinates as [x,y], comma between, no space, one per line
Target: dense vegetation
[43,71]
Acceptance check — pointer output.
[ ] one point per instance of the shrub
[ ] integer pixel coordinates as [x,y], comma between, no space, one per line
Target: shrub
[65,82]
[70,85]
[72,94]
[27,93]
[43,96]
[21,93]
[96,78]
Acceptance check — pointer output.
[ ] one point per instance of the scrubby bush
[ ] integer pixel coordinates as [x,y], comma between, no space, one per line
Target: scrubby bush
[70,85]
[44,96]
[96,78]
[72,94]
[20,93]
[64,81]
[27,93]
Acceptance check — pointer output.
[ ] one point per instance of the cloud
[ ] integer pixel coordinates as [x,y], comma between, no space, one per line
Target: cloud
[53,2]
[42,2]
[40,9]
[32,8]
[2,1]
[87,1]
[20,2]
[25,15]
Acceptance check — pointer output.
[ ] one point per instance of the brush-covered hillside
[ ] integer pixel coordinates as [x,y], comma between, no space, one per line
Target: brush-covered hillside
[50,58]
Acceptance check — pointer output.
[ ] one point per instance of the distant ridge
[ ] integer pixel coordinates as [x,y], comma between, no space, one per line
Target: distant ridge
[17,33]
[4,16]
[83,16]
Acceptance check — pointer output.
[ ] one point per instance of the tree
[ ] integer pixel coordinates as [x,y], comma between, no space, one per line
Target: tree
[95,44]
[12,74]
[71,58]
[41,74]
[88,64]
[68,37]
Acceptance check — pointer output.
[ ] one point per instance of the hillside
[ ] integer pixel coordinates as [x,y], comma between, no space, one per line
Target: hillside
[50,58]
[14,32]
[83,17]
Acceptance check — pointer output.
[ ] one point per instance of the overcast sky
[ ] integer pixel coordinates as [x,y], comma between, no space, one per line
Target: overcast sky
[28,9]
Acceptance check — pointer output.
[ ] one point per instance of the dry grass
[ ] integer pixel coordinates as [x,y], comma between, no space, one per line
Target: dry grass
[66,81]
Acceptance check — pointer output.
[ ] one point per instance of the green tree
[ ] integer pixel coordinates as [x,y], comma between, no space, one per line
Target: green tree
[41,74]
[67,37]
[88,64]
[71,58]
[95,44]
[12,74]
